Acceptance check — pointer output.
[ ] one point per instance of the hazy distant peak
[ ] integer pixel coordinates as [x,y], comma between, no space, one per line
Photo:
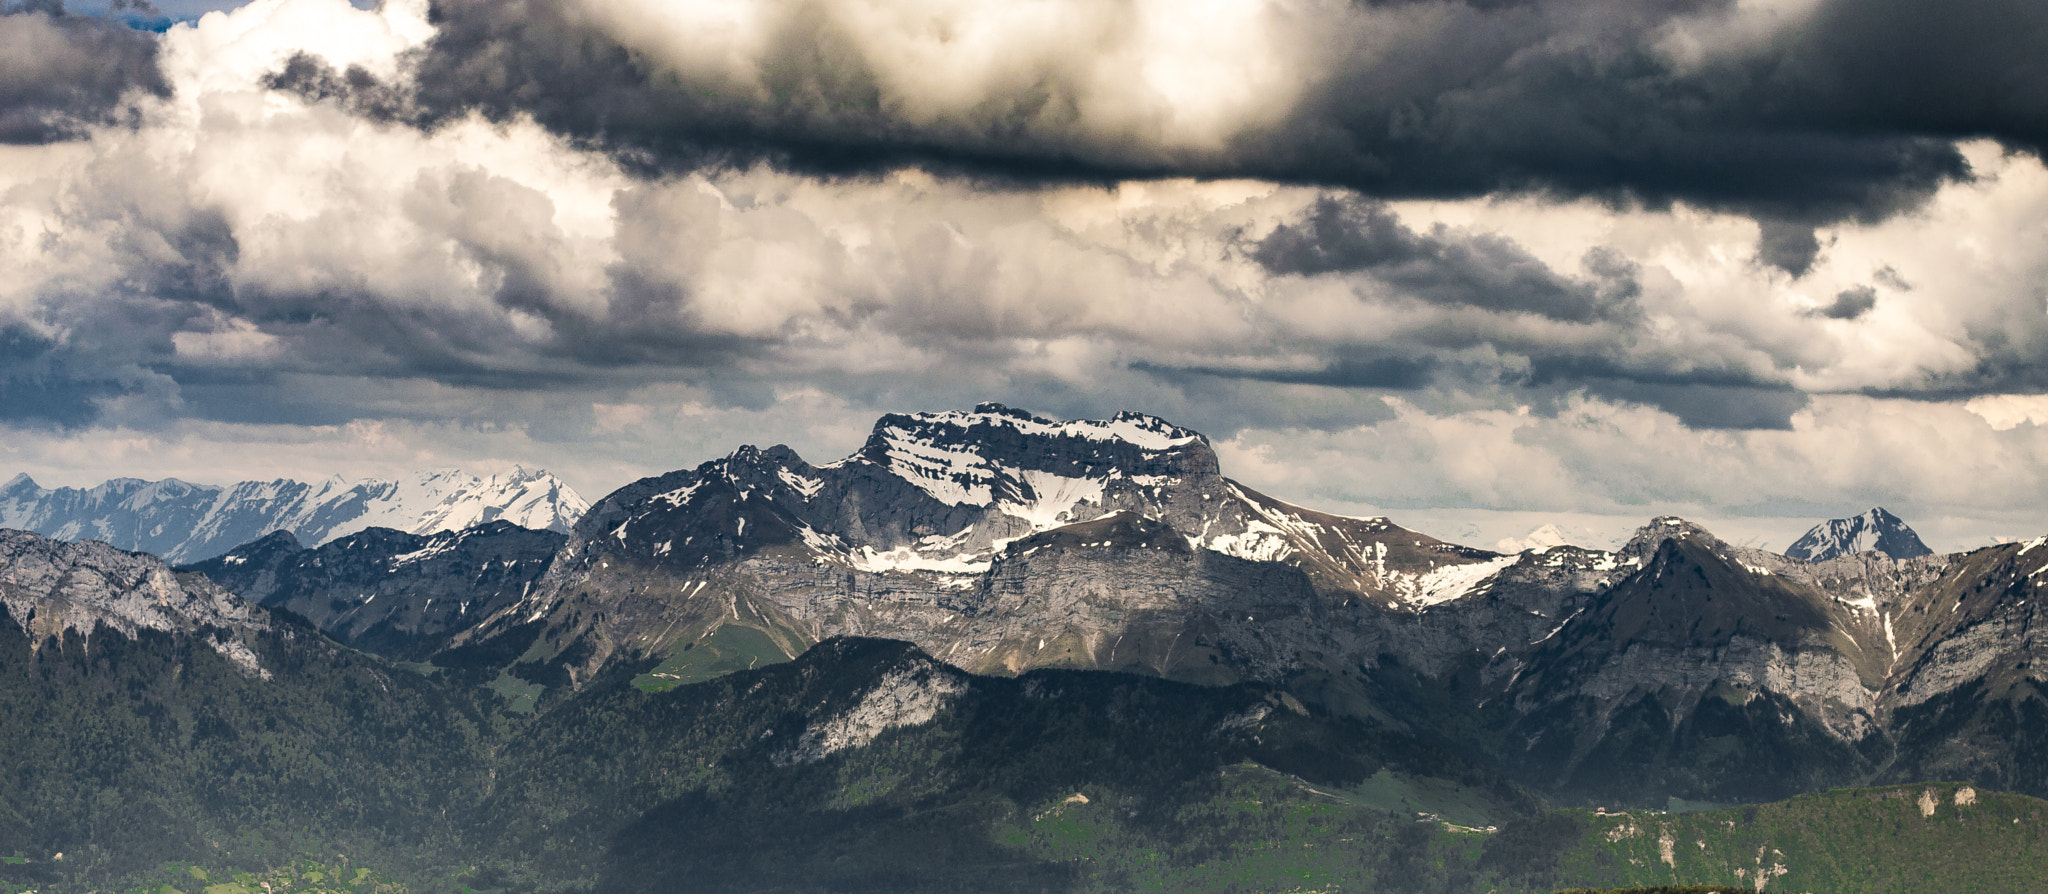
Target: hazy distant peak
[185,522]
[1671,527]
[1874,531]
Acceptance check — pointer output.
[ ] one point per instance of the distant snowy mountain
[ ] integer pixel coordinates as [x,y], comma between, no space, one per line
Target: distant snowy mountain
[185,522]
[1876,530]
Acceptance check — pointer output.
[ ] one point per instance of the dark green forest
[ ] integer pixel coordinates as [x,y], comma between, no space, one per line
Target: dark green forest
[144,761]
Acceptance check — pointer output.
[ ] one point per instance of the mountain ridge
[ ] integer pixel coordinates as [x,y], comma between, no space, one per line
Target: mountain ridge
[376,589]
[185,522]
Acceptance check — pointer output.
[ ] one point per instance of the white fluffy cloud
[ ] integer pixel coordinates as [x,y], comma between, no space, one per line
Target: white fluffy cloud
[1182,76]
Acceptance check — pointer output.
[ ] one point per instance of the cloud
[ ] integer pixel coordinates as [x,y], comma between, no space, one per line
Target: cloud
[1849,303]
[1708,406]
[61,74]
[292,241]
[39,385]
[2005,412]
[1441,267]
[1842,454]
[1971,69]
[1790,246]
[1781,110]
[1397,373]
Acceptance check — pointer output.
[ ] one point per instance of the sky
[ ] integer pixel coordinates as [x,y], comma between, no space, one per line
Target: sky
[1481,266]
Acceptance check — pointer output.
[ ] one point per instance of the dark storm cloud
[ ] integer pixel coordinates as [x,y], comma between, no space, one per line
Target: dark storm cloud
[545,58]
[1849,304]
[1790,246]
[1701,395]
[39,386]
[61,73]
[1955,69]
[1711,406]
[1848,117]
[1701,398]
[1390,373]
[1442,267]
[1577,99]
[357,89]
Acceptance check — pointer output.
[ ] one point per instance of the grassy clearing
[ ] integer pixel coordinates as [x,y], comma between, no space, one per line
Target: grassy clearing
[729,649]
[520,696]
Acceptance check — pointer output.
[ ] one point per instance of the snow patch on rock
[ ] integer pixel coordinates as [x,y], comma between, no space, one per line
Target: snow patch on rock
[1457,581]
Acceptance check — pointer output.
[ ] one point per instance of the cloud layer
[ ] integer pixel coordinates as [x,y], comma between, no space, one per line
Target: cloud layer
[61,74]
[1804,111]
[1679,254]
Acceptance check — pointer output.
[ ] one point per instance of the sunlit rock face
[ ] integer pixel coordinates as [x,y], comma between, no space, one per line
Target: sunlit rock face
[52,589]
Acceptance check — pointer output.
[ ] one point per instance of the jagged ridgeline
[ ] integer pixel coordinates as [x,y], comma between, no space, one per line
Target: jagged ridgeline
[397,594]
[1081,659]
[186,522]
[865,765]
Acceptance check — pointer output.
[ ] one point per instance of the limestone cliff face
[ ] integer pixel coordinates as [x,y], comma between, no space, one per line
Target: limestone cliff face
[1120,593]
[1700,660]
[1979,621]
[50,587]
[943,494]
[1861,667]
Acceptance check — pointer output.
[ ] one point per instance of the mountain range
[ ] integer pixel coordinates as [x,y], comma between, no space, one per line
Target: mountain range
[999,545]
[1677,666]
[186,522]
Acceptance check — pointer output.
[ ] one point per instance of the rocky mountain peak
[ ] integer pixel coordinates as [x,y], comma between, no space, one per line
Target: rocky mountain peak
[979,457]
[1649,538]
[51,587]
[1874,531]
[985,527]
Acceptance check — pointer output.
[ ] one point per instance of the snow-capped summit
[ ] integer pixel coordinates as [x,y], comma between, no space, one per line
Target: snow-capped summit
[952,493]
[185,522]
[452,500]
[1027,466]
[1876,530]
